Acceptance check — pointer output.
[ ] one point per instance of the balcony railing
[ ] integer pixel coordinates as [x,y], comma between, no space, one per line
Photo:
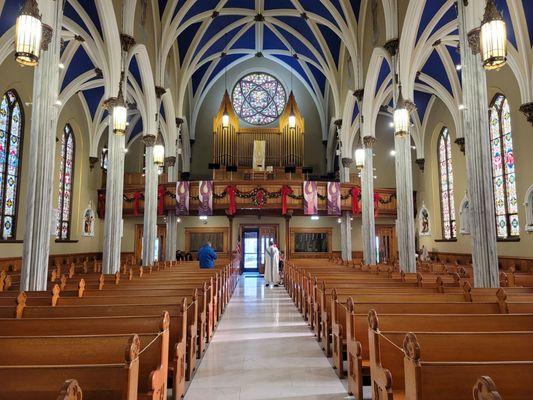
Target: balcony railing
[246,199]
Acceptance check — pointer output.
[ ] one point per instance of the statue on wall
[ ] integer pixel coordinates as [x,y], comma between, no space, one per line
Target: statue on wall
[88,221]
[424,226]
[464,214]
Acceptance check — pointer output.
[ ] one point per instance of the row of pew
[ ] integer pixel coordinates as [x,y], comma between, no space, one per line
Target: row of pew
[426,335]
[129,335]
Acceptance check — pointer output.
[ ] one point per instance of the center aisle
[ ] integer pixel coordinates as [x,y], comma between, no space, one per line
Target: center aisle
[263,349]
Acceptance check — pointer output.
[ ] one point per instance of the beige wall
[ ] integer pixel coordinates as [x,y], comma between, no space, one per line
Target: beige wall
[498,82]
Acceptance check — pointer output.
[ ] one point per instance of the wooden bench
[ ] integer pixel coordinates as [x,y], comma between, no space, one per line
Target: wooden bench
[114,379]
[452,361]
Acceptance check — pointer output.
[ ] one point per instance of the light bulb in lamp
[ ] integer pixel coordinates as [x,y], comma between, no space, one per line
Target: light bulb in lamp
[225,119]
[28,34]
[292,120]
[402,119]
[493,38]
[159,155]
[360,158]
[120,114]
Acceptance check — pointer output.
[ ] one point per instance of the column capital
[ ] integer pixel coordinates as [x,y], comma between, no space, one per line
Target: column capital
[527,110]
[392,46]
[461,143]
[160,91]
[179,122]
[170,161]
[127,42]
[421,162]
[46,37]
[346,162]
[149,140]
[359,93]
[338,123]
[473,40]
[92,162]
[369,142]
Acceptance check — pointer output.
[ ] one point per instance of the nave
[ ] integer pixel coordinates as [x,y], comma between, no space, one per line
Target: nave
[263,349]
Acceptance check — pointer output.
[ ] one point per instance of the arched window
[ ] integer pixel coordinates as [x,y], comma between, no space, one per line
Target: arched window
[11,135]
[449,228]
[66,171]
[503,168]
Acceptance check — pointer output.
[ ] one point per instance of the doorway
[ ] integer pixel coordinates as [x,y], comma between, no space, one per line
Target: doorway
[160,243]
[386,243]
[255,241]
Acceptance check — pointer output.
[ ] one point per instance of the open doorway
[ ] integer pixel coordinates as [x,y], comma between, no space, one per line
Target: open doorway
[255,241]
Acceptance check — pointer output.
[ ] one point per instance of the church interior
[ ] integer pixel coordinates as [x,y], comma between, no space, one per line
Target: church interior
[359,167]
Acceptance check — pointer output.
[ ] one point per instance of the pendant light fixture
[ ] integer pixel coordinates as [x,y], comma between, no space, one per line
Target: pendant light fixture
[225,115]
[493,38]
[402,119]
[360,155]
[120,111]
[292,116]
[159,154]
[28,34]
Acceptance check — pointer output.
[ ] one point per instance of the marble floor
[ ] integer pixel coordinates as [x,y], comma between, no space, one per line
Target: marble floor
[263,349]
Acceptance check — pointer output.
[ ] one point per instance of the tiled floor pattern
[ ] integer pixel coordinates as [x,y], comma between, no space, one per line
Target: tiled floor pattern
[263,349]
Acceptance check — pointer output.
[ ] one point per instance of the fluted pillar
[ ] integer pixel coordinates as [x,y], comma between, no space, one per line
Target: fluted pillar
[368,226]
[405,222]
[150,202]
[40,194]
[346,218]
[172,219]
[113,205]
[477,146]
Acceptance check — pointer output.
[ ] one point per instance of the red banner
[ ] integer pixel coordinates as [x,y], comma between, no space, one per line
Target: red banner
[231,190]
[356,191]
[136,198]
[285,191]
[161,200]
[377,198]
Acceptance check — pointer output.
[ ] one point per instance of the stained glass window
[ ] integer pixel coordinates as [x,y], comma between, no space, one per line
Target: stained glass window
[449,228]
[66,170]
[11,134]
[503,168]
[259,99]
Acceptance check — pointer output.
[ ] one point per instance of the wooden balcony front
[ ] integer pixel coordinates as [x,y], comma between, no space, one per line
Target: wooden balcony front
[246,201]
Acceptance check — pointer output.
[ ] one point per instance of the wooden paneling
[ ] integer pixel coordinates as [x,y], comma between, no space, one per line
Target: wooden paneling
[223,230]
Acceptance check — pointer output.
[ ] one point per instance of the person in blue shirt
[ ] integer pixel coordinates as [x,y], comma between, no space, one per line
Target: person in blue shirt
[207,256]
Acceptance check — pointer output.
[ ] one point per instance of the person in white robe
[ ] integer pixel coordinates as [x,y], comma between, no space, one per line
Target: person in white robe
[272,265]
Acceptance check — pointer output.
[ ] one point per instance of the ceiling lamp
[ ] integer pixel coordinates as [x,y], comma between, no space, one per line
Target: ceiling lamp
[159,154]
[360,158]
[292,119]
[28,33]
[402,119]
[225,118]
[120,113]
[493,38]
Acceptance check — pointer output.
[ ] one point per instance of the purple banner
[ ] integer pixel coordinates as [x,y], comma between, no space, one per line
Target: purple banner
[310,198]
[205,197]
[334,198]
[182,198]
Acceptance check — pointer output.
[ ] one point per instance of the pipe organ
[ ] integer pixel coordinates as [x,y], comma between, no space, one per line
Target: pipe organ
[235,145]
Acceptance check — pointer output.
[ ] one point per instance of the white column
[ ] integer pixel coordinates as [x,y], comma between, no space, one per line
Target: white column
[172,219]
[405,223]
[478,156]
[150,202]
[42,143]
[346,219]
[368,226]
[113,204]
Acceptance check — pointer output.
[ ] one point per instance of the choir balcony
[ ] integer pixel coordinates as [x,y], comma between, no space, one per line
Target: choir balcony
[255,194]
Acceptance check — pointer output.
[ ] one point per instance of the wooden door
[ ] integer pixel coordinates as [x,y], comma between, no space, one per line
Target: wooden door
[386,243]
[161,242]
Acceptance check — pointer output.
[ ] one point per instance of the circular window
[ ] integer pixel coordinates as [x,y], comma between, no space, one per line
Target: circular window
[259,98]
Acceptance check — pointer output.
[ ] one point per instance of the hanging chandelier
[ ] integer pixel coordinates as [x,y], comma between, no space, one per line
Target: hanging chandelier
[225,118]
[493,38]
[120,112]
[159,154]
[402,118]
[28,34]
[292,119]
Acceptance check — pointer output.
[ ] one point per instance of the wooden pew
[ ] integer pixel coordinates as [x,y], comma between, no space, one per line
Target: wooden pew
[358,325]
[452,361]
[485,389]
[111,325]
[114,379]
[95,349]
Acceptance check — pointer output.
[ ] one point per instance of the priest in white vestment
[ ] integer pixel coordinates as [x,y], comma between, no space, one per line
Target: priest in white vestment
[272,265]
